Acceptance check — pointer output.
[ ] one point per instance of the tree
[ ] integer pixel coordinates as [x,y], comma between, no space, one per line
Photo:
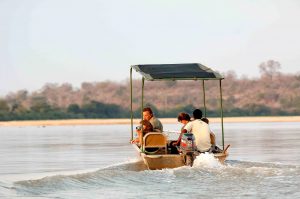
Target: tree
[74,108]
[269,68]
[4,106]
[39,104]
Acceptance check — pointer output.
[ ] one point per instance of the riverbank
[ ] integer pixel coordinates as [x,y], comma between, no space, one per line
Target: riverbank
[127,121]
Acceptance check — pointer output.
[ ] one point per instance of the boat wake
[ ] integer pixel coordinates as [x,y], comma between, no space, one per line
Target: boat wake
[125,177]
[207,160]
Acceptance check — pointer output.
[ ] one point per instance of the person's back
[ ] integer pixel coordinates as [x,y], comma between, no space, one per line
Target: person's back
[157,126]
[200,130]
[212,135]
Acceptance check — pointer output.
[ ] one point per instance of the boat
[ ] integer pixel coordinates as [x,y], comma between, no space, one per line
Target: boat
[163,156]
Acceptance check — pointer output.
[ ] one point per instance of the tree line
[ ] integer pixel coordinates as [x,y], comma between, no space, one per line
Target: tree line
[95,110]
[273,93]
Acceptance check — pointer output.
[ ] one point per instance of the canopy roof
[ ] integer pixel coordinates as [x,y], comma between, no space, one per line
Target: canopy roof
[189,71]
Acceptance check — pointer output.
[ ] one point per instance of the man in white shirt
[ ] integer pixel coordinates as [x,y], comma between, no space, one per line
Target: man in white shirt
[200,130]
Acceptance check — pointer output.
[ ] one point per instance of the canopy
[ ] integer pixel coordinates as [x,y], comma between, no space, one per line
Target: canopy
[187,71]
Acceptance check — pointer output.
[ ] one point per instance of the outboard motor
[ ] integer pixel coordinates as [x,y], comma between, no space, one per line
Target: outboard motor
[188,148]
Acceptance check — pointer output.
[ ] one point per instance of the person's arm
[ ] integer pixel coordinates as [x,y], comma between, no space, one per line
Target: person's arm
[188,127]
[183,131]
[136,140]
[139,135]
[212,138]
[161,126]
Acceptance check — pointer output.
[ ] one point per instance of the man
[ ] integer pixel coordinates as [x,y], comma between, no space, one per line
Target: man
[148,115]
[200,130]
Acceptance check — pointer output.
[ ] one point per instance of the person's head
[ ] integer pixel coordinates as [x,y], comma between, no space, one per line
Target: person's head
[147,126]
[147,113]
[204,119]
[197,114]
[183,118]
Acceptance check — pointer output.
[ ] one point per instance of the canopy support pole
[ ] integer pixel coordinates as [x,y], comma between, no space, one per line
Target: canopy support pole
[131,111]
[142,101]
[142,107]
[221,107]
[204,103]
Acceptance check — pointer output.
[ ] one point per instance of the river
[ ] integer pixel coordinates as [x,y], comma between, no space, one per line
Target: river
[98,162]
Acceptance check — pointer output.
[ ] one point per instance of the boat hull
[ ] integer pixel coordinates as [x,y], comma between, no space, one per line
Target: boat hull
[163,161]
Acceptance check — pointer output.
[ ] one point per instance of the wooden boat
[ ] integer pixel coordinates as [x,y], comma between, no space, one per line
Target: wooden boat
[154,162]
[163,156]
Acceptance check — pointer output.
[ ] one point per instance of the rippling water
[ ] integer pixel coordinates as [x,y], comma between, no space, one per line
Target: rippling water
[98,162]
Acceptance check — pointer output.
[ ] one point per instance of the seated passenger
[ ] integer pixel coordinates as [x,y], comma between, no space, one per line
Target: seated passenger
[183,118]
[212,135]
[200,130]
[214,147]
[147,127]
[156,124]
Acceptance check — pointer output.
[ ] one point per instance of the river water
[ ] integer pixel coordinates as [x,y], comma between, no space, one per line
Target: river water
[98,162]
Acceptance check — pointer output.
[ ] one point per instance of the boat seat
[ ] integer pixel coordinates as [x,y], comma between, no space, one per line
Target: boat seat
[156,141]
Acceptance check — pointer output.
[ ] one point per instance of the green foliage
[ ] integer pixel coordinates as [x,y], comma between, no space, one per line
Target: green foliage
[100,110]
[4,106]
[40,105]
[74,108]
[42,111]
[257,110]
[96,109]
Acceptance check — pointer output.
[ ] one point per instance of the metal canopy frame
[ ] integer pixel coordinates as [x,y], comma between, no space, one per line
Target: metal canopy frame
[146,77]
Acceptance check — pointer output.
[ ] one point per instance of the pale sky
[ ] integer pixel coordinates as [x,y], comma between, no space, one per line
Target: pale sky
[75,41]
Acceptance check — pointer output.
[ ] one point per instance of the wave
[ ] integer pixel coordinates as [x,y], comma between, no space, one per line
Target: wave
[128,175]
[79,179]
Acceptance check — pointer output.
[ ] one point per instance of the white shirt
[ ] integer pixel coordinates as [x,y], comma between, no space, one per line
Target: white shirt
[201,132]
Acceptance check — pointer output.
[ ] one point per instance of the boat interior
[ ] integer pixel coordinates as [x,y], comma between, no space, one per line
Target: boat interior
[155,143]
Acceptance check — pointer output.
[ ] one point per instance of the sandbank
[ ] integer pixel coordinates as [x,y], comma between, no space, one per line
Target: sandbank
[136,121]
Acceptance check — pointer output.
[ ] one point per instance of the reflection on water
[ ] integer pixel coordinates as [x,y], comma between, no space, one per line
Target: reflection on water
[98,162]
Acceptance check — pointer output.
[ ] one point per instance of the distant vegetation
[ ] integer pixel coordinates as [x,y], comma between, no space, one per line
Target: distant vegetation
[273,93]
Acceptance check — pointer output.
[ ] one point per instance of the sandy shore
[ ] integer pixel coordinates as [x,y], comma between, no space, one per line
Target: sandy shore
[127,121]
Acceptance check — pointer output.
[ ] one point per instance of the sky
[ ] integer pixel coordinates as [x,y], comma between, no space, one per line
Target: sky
[75,41]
